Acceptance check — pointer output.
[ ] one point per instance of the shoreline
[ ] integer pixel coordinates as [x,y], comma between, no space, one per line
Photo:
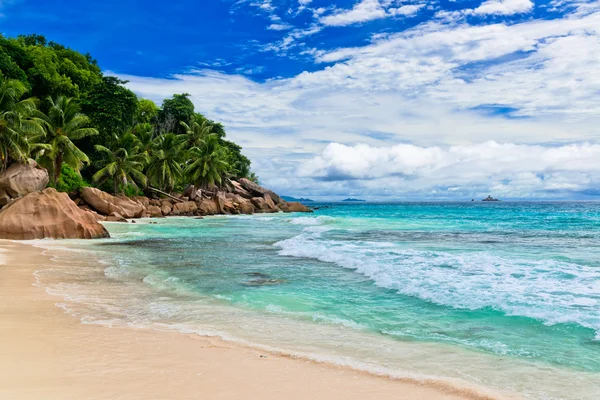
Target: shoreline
[67,359]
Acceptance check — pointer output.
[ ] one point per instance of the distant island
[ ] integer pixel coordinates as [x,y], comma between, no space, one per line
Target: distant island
[490,198]
[301,199]
[353,200]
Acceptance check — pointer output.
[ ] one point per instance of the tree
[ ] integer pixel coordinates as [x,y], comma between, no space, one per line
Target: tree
[209,166]
[174,110]
[125,163]
[112,108]
[144,136]
[195,133]
[164,169]
[64,124]
[18,122]
[147,111]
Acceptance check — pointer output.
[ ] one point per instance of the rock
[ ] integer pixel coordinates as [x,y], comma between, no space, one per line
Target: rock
[21,179]
[245,206]
[166,209]
[261,205]
[297,207]
[106,204]
[225,204]
[237,188]
[48,214]
[143,201]
[270,202]
[154,211]
[208,207]
[115,217]
[184,207]
[155,202]
[283,206]
[4,198]
[258,190]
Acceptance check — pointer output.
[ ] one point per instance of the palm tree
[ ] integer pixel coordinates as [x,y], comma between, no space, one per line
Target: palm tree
[208,167]
[19,122]
[64,124]
[125,163]
[144,136]
[164,169]
[195,133]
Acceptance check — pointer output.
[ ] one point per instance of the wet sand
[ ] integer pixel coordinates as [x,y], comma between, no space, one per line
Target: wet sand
[47,354]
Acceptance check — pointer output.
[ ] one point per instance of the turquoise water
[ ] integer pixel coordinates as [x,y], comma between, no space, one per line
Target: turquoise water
[500,295]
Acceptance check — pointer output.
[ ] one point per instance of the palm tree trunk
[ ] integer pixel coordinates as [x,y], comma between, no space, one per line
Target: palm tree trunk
[57,167]
[115,185]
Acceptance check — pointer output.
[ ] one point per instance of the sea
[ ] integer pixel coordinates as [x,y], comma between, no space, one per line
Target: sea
[494,298]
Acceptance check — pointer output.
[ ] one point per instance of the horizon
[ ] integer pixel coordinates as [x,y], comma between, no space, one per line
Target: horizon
[375,99]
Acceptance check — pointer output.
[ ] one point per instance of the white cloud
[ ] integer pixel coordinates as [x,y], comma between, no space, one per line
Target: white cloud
[279,27]
[432,86]
[407,10]
[508,169]
[365,10]
[504,7]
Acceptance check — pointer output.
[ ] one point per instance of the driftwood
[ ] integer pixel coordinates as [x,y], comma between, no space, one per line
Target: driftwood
[165,194]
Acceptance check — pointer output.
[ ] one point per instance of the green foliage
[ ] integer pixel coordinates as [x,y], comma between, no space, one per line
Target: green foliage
[64,124]
[119,140]
[164,169]
[147,112]
[239,163]
[18,123]
[70,181]
[177,109]
[112,108]
[125,163]
[132,190]
[209,166]
[52,69]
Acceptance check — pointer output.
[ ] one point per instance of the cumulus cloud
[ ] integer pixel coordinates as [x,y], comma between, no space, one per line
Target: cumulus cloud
[436,85]
[368,10]
[504,7]
[506,169]
[365,10]
[279,27]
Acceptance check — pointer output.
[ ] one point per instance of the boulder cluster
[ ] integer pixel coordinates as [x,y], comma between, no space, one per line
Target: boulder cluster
[242,197]
[29,211]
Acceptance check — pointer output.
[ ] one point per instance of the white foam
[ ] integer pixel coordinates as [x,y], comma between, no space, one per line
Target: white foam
[320,220]
[548,290]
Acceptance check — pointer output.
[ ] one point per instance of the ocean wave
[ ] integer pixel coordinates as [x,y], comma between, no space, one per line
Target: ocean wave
[320,220]
[547,290]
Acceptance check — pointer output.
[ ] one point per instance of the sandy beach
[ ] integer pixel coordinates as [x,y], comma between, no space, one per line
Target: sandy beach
[48,354]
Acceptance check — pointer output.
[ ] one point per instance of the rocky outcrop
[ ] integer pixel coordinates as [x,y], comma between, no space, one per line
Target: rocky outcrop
[185,207]
[258,190]
[21,179]
[115,217]
[154,211]
[208,207]
[107,204]
[297,207]
[48,214]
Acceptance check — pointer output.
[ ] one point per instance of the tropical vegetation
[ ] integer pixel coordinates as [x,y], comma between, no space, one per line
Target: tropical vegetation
[57,107]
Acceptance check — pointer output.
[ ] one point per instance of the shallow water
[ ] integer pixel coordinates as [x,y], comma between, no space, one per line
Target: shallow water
[500,295]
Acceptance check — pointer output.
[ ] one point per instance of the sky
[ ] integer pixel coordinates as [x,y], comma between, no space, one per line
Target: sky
[377,99]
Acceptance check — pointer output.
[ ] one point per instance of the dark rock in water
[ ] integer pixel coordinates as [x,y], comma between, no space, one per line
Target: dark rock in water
[257,275]
[264,282]
[199,218]
[490,198]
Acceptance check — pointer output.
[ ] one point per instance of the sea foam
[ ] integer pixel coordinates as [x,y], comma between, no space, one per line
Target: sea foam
[551,291]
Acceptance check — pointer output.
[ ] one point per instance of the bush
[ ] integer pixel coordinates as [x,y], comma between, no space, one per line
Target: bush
[70,181]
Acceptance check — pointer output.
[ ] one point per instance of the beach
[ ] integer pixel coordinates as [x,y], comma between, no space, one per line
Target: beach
[51,355]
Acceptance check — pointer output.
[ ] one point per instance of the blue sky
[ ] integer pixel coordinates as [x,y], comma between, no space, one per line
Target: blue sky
[383,99]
